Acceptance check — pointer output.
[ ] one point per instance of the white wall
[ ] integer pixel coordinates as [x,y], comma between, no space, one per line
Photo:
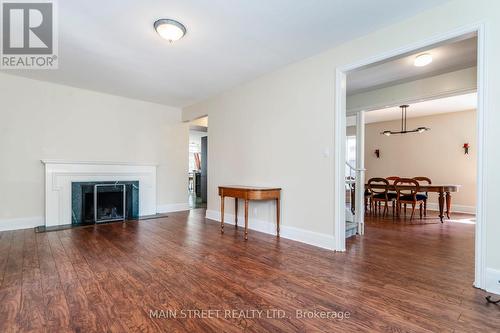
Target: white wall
[437,154]
[40,120]
[274,130]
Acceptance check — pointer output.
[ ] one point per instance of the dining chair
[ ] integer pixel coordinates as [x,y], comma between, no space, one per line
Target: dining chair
[378,194]
[424,195]
[393,178]
[393,194]
[408,193]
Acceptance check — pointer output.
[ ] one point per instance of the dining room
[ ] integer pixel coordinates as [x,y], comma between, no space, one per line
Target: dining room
[420,161]
[414,144]
[420,195]
[411,137]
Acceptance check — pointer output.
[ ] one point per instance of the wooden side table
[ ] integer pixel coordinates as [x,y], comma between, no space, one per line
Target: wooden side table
[248,193]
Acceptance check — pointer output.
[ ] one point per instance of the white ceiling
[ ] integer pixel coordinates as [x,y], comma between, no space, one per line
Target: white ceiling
[446,58]
[110,46]
[426,108]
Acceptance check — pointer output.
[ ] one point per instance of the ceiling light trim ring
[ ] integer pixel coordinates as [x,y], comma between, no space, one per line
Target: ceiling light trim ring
[175,23]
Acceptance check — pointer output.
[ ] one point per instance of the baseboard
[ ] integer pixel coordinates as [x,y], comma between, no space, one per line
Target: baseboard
[492,280]
[169,208]
[32,222]
[301,235]
[454,208]
[21,223]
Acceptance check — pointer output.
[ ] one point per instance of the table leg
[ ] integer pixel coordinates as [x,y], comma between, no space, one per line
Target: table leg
[441,206]
[278,217]
[236,212]
[448,204]
[246,219]
[222,214]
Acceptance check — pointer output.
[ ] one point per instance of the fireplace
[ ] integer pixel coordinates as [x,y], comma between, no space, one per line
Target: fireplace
[96,202]
[109,202]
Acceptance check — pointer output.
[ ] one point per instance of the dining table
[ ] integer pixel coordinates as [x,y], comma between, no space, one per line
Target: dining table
[444,194]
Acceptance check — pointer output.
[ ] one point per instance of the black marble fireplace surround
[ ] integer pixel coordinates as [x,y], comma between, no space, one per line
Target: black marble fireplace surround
[110,203]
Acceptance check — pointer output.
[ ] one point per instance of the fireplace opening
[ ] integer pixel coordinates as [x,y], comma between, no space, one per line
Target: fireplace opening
[109,202]
[95,202]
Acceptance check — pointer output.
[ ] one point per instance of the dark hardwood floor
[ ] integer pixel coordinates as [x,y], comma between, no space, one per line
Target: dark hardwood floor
[397,278]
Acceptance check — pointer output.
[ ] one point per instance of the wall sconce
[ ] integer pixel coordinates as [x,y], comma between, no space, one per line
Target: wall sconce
[377,153]
[466,148]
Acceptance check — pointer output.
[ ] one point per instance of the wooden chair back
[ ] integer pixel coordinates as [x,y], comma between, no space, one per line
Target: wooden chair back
[412,191]
[423,179]
[378,181]
[393,178]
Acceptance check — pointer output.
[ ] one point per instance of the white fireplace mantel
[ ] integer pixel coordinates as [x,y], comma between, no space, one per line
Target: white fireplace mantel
[60,174]
[98,162]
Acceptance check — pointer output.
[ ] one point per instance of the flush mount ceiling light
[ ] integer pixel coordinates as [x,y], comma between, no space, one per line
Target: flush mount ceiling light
[423,60]
[170,30]
[403,125]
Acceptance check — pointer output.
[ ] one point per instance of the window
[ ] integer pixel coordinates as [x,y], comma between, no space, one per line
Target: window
[350,152]
[194,148]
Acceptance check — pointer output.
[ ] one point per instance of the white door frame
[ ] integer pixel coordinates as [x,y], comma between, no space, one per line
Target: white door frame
[359,203]
[482,115]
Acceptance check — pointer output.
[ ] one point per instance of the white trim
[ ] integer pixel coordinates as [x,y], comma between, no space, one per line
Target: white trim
[175,207]
[324,241]
[492,280]
[35,221]
[21,223]
[360,172]
[339,169]
[59,177]
[433,206]
[455,208]
[97,162]
[482,110]
[482,116]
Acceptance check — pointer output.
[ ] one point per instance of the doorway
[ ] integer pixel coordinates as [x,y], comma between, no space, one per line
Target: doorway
[198,163]
[340,139]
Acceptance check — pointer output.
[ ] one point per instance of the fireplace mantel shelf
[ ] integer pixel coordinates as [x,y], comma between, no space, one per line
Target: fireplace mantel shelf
[49,161]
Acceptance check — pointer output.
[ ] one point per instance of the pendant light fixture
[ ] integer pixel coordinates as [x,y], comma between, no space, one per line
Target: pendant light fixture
[404,130]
